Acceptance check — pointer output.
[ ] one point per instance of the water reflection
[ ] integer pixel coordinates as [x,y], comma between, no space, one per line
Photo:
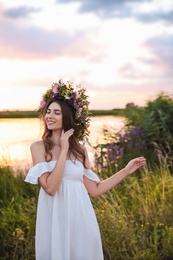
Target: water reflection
[16,136]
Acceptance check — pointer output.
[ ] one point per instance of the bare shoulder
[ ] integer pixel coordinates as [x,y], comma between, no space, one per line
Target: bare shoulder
[37,151]
[37,145]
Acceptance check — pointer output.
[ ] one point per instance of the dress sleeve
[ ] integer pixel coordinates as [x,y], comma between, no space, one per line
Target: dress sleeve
[36,171]
[91,175]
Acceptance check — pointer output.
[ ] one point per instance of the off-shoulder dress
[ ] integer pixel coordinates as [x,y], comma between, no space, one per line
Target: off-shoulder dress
[66,224]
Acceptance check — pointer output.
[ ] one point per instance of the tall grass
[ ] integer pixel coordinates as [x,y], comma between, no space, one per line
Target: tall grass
[17,216]
[135,218]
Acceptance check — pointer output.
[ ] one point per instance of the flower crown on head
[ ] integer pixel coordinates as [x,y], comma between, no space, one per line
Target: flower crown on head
[75,98]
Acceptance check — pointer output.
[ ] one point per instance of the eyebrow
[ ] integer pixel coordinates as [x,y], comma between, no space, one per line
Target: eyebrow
[56,110]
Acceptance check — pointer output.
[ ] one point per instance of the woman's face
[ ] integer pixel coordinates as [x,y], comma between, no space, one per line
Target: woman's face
[53,117]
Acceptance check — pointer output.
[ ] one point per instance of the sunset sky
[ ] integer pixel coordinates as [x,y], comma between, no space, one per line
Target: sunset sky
[121,51]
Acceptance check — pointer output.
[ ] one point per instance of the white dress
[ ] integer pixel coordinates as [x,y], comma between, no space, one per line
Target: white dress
[66,225]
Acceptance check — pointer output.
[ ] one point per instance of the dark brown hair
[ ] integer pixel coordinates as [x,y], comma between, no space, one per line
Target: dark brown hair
[68,121]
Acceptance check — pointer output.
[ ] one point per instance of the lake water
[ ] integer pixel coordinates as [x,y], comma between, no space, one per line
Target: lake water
[16,136]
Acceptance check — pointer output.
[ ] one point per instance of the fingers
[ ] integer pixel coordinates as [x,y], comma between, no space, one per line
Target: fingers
[140,161]
[68,133]
[134,164]
[141,158]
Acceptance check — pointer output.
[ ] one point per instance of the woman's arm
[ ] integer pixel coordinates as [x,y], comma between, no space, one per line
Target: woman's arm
[51,181]
[96,189]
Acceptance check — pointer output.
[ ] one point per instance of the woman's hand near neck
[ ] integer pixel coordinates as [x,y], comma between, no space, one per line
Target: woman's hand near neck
[50,181]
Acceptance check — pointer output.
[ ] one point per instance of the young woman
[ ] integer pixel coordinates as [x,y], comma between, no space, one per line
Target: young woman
[66,225]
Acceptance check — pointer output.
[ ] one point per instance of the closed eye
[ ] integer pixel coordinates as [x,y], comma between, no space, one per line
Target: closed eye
[56,111]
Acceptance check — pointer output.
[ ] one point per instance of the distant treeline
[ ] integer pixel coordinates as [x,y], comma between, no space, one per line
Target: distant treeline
[34,114]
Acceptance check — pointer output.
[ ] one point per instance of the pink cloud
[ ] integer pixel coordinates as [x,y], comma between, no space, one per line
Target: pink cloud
[36,43]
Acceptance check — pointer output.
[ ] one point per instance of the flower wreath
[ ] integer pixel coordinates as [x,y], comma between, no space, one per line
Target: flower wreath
[75,98]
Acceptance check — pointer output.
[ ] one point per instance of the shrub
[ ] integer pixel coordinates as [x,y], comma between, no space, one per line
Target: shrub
[156,122]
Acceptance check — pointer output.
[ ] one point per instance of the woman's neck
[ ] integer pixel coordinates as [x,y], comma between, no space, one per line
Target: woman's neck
[55,138]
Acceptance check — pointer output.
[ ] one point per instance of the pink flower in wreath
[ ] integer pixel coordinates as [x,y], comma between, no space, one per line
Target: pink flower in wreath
[42,103]
[55,89]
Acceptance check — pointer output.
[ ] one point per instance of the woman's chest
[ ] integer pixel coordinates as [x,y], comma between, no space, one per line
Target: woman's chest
[73,170]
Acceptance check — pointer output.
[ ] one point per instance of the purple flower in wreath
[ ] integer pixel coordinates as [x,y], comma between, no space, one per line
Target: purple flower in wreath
[70,102]
[74,95]
[77,106]
[57,97]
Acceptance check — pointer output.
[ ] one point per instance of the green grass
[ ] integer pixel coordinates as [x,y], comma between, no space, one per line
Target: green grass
[34,114]
[18,202]
[135,218]
[18,114]
[113,112]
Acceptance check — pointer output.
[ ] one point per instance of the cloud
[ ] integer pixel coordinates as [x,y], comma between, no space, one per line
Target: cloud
[129,71]
[125,9]
[156,64]
[19,12]
[37,43]
[156,16]
[103,9]
[29,42]
[161,48]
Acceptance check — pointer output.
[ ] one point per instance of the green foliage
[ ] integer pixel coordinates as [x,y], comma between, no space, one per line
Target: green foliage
[156,121]
[135,218]
[118,149]
[17,216]
[159,119]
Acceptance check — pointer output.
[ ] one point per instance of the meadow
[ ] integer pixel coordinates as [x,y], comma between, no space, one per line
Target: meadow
[136,217]
[34,114]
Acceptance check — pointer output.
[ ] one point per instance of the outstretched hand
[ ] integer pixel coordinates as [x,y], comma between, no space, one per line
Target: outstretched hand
[135,164]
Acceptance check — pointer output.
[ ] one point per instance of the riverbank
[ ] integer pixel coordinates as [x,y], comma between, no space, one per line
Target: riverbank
[34,114]
[17,134]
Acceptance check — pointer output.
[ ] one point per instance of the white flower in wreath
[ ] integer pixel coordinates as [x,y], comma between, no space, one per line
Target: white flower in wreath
[66,97]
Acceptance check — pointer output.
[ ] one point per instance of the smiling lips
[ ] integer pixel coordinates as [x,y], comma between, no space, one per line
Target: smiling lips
[50,122]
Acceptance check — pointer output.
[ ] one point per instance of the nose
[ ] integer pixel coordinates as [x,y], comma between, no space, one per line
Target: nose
[50,114]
